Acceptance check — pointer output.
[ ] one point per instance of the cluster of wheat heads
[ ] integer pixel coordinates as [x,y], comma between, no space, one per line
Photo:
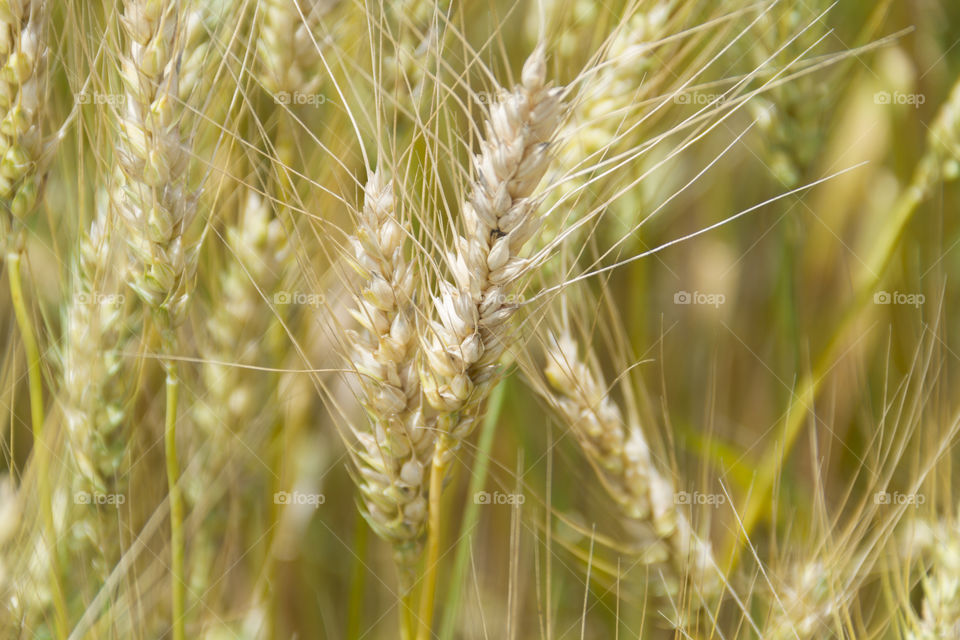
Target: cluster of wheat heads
[465,320]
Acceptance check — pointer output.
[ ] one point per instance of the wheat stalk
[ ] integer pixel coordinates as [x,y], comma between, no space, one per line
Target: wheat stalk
[471,331]
[395,449]
[152,197]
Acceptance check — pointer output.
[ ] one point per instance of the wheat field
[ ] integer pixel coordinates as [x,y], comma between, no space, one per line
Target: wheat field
[504,319]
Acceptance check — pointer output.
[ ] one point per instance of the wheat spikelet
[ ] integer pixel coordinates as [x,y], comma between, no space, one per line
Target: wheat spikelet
[500,216]
[201,49]
[23,50]
[394,453]
[621,457]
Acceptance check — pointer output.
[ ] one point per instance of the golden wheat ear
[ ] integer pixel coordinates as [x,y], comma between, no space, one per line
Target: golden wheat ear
[394,449]
[473,311]
[620,455]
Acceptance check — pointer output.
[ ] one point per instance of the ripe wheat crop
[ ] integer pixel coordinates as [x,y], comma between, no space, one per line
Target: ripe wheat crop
[513,319]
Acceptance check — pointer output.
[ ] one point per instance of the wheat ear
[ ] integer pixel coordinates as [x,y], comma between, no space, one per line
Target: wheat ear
[473,312]
[99,329]
[621,457]
[96,330]
[395,449]
[471,331]
[152,195]
[600,117]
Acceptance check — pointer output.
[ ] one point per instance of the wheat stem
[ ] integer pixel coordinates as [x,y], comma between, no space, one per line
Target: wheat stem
[438,471]
[474,311]
[40,447]
[178,583]
[471,515]
[408,623]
